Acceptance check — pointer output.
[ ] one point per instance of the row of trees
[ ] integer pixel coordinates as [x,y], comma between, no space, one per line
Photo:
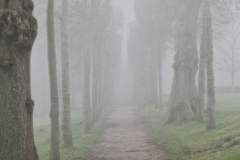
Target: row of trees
[98,26]
[92,29]
[151,35]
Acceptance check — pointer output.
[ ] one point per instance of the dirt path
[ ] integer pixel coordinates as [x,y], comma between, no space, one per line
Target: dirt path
[125,139]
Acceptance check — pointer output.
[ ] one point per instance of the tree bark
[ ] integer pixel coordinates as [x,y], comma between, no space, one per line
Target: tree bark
[160,79]
[67,129]
[182,101]
[17,34]
[95,77]
[201,77]
[54,112]
[211,124]
[86,125]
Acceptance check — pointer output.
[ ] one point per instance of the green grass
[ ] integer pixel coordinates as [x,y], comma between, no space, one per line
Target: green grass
[190,140]
[82,143]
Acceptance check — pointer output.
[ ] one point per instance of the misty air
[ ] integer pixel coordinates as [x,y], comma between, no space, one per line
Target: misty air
[119,80]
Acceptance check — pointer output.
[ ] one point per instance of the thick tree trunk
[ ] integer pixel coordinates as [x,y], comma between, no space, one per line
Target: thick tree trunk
[211,124]
[17,35]
[201,77]
[67,129]
[183,96]
[54,112]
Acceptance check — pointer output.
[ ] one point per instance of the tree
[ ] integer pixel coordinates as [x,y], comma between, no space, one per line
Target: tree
[54,112]
[154,24]
[86,125]
[183,95]
[201,77]
[17,34]
[67,130]
[228,61]
[211,124]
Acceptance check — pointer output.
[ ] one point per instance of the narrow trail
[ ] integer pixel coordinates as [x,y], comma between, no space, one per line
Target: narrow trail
[125,139]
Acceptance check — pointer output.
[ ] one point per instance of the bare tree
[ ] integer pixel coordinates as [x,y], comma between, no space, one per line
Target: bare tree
[17,34]
[154,24]
[228,60]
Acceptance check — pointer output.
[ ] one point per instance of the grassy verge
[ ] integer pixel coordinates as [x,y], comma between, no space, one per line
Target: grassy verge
[82,143]
[190,140]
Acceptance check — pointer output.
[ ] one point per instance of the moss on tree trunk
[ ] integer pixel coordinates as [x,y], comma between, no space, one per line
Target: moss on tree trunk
[18,30]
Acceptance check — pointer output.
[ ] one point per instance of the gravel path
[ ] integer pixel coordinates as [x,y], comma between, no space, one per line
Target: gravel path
[125,139]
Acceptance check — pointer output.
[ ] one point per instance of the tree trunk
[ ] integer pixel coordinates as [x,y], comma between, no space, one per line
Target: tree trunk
[201,77]
[182,101]
[232,82]
[86,98]
[17,35]
[105,67]
[94,86]
[54,112]
[160,80]
[67,129]
[211,124]
[100,86]
[149,95]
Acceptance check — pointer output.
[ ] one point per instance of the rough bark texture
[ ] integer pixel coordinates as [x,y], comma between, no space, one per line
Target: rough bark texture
[211,124]
[201,77]
[18,30]
[54,112]
[182,102]
[67,129]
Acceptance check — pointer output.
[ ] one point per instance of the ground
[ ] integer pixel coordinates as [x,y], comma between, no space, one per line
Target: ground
[190,140]
[126,139]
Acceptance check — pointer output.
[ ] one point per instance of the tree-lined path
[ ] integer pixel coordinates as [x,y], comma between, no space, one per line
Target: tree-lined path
[125,139]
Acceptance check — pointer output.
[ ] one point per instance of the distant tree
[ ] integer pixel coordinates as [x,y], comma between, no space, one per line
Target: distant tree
[17,34]
[112,54]
[87,28]
[228,60]
[183,96]
[54,113]
[154,21]
[67,129]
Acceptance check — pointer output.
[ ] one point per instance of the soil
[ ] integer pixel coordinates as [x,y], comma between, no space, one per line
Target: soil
[125,138]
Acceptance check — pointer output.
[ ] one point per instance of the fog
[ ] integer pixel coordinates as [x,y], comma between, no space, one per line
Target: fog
[123,81]
[119,79]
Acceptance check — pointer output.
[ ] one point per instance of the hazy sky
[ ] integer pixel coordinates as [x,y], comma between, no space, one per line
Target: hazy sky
[127,7]
[221,78]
